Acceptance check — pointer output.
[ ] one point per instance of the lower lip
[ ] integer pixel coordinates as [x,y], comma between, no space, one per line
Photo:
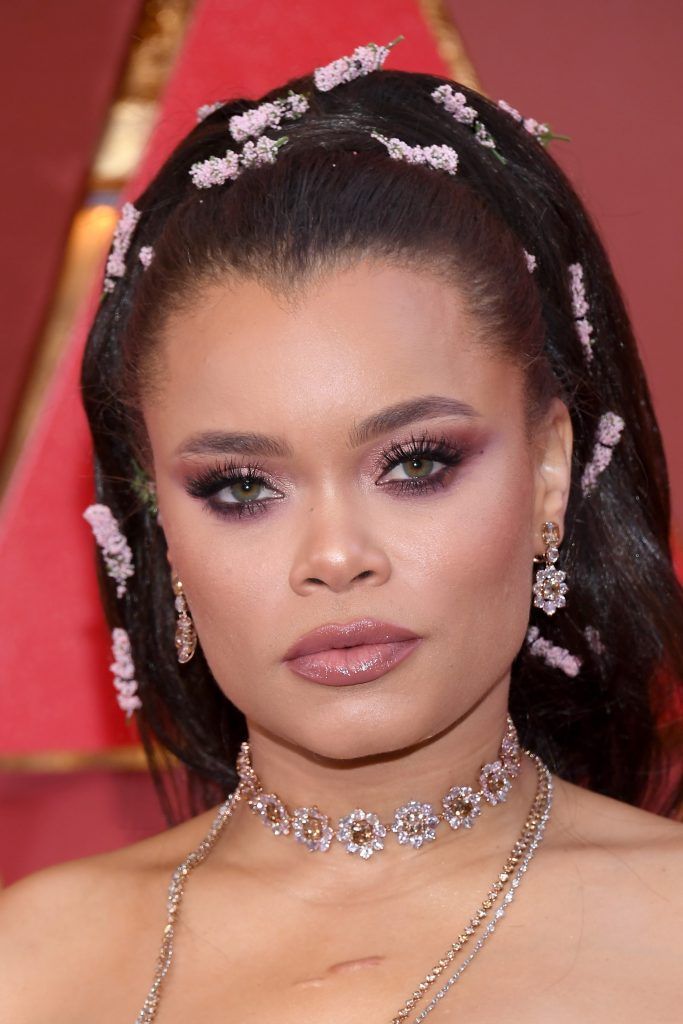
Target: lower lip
[344,666]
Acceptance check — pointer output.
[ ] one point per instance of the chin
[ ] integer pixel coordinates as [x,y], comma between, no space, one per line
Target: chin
[362,740]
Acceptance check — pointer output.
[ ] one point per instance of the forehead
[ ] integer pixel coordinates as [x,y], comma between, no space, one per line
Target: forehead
[350,342]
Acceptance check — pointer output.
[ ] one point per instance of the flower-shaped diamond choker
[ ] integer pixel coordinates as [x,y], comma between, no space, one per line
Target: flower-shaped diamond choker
[361,831]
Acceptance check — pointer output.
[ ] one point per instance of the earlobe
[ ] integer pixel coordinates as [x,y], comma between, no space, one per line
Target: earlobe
[554,465]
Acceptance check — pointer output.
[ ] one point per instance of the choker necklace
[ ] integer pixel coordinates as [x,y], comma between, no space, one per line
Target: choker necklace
[361,831]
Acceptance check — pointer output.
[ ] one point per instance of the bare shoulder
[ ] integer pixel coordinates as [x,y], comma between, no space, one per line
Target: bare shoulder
[622,849]
[58,923]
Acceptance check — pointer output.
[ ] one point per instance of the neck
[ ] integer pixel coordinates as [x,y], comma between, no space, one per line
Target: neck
[381,784]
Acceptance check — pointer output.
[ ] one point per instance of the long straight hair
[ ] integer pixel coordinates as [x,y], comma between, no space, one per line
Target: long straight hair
[332,195]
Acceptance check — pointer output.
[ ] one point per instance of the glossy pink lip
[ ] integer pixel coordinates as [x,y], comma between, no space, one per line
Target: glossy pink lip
[333,635]
[357,652]
[347,665]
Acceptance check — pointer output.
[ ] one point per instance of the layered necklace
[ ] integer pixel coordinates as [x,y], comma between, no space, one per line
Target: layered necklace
[363,834]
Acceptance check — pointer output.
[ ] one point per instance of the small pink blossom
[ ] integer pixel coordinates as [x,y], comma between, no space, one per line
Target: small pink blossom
[557,657]
[483,136]
[512,111]
[124,672]
[584,328]
[208,108]
[267,115]
[609,429]
[116,552]
[455,103]
[123,233]
[530,261]
[217,170]
[442,158]
[608,435]
[263,151]
[579,304]
[363,61]
[592,635]
[539,130]
[535,128]
[146,255]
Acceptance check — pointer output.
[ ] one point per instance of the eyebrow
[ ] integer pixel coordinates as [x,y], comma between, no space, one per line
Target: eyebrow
[422,407]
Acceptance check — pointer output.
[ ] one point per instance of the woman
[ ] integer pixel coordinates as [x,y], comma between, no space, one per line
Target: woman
[360,363]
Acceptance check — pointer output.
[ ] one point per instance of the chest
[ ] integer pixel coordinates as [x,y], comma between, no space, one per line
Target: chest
[559,963]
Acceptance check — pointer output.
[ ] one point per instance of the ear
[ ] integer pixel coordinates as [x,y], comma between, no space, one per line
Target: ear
[553,448]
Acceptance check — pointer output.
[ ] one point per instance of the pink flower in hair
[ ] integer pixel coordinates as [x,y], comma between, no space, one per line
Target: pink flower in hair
[442,158]
[116,552]
[123,233]
[608,435]
[592,635]
[455,103]
[263,151]
[584,328]
[530,261]
[512,111]
[535,128]
[363,61]
[540,131]
[483,136]
[216,170]
[610,428]
[557,657]
[207,109]
[124,672]
[267,115]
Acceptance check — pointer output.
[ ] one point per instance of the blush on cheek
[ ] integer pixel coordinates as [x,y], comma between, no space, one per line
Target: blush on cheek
[487,569]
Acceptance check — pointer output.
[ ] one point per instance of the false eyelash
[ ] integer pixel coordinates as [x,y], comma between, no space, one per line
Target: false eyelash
[209,481]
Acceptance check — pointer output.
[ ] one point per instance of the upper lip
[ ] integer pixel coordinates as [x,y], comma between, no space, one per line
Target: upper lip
[350,634]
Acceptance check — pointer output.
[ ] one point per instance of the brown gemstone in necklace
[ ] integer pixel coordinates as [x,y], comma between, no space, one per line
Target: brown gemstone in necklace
[361,832]
[312,828]
[494,782]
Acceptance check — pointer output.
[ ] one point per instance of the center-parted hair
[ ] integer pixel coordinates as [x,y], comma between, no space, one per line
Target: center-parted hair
[332,196]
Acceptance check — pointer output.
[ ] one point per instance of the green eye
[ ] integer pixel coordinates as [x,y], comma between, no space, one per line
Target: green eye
[418,467]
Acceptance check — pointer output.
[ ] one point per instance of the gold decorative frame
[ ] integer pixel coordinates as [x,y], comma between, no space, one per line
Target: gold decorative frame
[449,43]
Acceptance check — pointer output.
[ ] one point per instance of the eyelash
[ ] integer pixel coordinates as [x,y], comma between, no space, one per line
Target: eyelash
[425,447]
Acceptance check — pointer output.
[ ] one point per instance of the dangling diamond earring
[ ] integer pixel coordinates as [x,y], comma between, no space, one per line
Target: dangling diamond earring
[550,588]
[185,633]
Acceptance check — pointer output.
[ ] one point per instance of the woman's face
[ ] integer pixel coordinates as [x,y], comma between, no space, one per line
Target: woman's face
[335,525]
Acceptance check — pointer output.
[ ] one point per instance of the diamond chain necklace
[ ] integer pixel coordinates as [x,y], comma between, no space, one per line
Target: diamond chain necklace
[518,860]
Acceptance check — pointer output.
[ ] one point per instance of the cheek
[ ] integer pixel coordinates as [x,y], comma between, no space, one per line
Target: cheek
[477,573]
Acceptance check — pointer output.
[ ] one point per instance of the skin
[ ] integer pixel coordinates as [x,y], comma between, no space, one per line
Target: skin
[335,938]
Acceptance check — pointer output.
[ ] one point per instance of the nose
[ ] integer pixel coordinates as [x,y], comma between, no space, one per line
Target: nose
[337,549]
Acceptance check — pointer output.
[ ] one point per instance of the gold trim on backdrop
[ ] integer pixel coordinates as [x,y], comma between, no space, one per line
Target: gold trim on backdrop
[118,759]
[449,43]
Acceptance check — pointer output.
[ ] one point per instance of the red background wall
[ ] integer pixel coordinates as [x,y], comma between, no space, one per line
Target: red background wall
[59,65]
[609,75]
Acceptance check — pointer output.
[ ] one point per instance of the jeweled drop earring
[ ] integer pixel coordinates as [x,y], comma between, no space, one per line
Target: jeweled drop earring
[549,587]
[185,633]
